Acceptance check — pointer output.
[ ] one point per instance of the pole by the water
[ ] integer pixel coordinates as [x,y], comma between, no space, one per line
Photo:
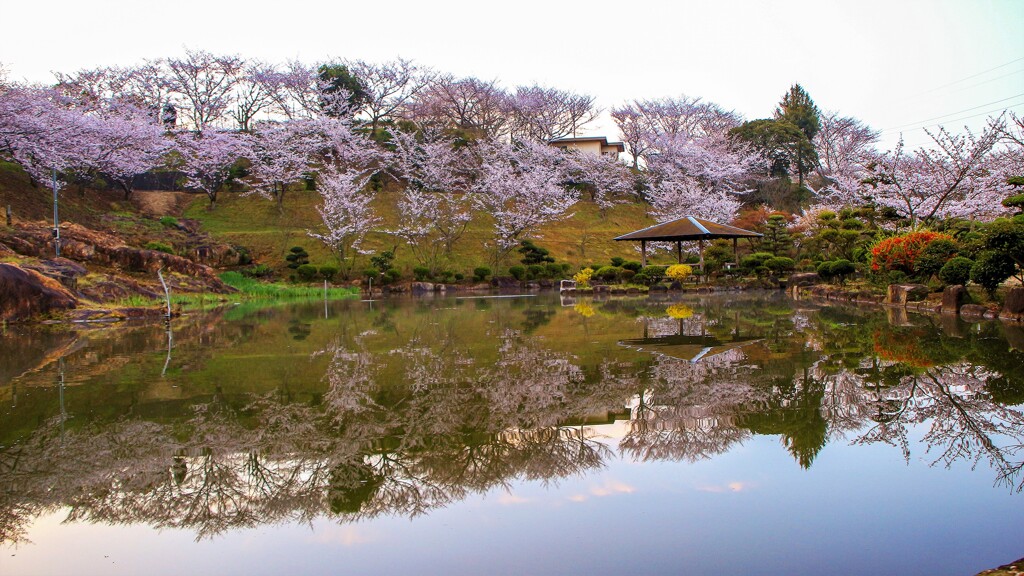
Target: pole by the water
[56,222]
[167,292]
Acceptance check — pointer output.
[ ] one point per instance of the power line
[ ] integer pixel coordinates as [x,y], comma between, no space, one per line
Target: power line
[970,77]
[989,81]
[968,117]
[926,120]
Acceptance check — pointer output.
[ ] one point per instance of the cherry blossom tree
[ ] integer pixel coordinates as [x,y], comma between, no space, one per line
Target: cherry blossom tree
[467,104]
[294,89]
[282,154]
[545,114]
[252,94]
[40,135]
[608,181]
[685,115]
[388,87]
[205,83]
[346,212]
[845,149]
[947,180]
[122,145]
[520,188]
[434,209]
[636,131]
[206,158]
[702,177]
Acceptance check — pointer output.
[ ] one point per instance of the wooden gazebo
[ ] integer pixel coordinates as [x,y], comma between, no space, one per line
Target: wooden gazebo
[687,229]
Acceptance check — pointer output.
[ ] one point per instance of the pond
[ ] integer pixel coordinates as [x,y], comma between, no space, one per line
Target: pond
[709,434]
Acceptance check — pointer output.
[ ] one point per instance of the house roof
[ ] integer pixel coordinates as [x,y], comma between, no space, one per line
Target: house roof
[688,228]
[602,139]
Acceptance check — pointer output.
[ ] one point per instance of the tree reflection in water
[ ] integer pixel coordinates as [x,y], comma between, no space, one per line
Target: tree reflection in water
[421,409]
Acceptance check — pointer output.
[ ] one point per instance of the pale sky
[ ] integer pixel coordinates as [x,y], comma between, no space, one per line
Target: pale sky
[898,65]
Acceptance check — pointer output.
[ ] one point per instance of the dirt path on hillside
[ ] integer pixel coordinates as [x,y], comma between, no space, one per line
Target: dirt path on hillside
[161,202]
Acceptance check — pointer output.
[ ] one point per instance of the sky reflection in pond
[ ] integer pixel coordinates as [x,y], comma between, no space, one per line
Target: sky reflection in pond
[522,435]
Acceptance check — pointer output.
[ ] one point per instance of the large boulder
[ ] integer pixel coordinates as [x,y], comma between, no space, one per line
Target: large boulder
[27,293]
[803,279]
[1013,305]
[902,293]
[953,299]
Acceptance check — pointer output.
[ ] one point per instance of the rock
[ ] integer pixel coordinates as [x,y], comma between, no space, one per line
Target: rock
[111,289]
[420,287]
[659,288]
[903,293]
[972,311]
[803,279]
[1013,306]
[26,293]
[952,299]
[216,255]
[506,283]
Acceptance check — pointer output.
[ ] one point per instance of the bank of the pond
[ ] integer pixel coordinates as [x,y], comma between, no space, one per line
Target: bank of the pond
[952,301]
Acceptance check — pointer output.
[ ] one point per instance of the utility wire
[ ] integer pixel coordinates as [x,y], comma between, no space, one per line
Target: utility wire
[970,77]
[926,120]
[922,128]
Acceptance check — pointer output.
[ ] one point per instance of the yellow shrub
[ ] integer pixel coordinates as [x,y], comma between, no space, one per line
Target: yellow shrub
[583,277]
[679,272]
[584,309]
[679,311]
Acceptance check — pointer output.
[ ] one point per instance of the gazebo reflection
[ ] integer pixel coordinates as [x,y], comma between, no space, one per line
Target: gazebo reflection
[690,347]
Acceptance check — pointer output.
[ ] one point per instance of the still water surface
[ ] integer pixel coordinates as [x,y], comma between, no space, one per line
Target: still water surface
[718,434]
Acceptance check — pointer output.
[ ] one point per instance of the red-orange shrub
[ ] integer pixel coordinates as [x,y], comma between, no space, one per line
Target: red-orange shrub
[901,252]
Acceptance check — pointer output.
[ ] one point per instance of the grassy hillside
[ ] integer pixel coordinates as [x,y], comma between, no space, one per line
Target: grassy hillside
[269,232]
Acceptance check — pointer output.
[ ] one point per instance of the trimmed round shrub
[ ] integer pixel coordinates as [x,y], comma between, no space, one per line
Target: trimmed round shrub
[517,272]
[990,270]
[836,269]
[608,273]
[934,256]
[780,264]
[328,272]
[552,270]
[755,262]
[956,271]
[633,265]
[627,274]
[391,275]
[480,273]
[371,273]
[306,272]
[534,271]
[618,261]
[421,273]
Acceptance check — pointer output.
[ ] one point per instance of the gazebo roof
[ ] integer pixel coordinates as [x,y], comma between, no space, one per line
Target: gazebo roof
[688,228]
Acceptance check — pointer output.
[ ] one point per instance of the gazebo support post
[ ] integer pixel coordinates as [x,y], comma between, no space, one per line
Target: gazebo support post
[736,250]
[643,252]
[700,244]
[679,252]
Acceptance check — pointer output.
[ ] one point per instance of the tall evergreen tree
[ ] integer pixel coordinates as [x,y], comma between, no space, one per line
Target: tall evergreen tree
[799,109]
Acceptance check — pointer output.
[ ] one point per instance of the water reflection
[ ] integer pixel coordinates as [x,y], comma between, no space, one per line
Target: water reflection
[289,414]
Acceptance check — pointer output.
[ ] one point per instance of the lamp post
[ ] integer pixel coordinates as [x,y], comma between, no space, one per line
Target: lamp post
[56,223]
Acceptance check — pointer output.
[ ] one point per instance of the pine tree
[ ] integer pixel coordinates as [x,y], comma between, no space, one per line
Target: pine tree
[798,109]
